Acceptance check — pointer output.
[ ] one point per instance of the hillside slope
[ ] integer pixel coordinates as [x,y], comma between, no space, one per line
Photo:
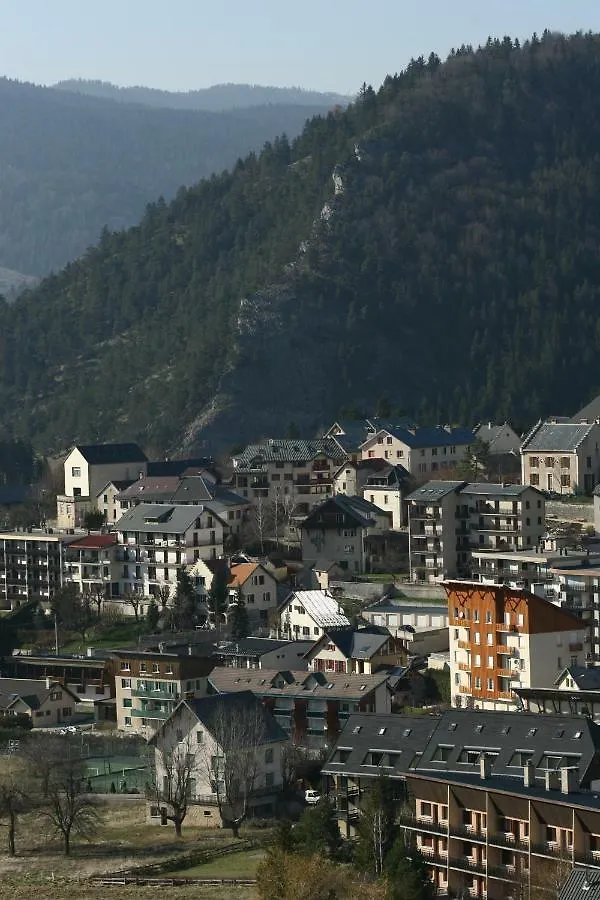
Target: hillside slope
[216,98]
[448,266]
[71,164]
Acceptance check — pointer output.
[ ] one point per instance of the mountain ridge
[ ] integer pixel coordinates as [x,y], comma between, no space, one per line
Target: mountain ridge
[431,248]
[216,98]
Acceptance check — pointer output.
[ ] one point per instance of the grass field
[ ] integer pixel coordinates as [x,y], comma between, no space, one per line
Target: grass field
[234,865]
[125,841]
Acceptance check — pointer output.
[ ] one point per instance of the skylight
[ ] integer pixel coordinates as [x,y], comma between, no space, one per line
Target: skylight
[356,730]
[382,731]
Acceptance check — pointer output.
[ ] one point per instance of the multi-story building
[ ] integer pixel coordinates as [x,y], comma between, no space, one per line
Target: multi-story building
[576,691]
[107,500]
[159,540]
[502,638]
[350,435]
[311,707]
[562,457]
[32,566]
[422,451]
[88,469]
[387,489]
[308,614]
[148,686]
[500,439]
[264,653]
[501,803]
[297,474]
[449,521]
[198,729]
[337,531]
[94,563]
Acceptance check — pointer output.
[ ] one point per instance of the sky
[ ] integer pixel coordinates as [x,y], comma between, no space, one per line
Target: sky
[331,45]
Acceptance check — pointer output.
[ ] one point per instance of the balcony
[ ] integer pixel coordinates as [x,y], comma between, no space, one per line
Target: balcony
[464,667]
[575,648]
[153,695]
[150,713]
[464,645]
[432,858]
[507,839]
[503,873]
[591,859]
[552,850]
[468,864]
[420,824]
[464,688]
[468,832]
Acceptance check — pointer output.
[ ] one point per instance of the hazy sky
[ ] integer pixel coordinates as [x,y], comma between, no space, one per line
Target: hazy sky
[322,44]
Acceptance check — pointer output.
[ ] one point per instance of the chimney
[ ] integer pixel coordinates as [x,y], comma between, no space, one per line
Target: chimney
[48,682]
[528,774]
[568,781]
[485,767]
[551,780]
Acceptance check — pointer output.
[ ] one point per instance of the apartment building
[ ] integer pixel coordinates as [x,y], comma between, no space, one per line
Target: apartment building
[449,521]
[93,564]
[159,540]
[311,707]
[498,801]
[503,638]
[387,489]
[32,566]
[422,451]
[562,457]
[337,531]
[148,686]
[88,469]
[297,474]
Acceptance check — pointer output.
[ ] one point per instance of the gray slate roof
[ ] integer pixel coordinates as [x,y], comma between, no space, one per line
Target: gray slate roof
[361,511]
[582,884]
[556,437]
[287,451]
[499,490]
[107,454]
[435,436]
[207,709]
[435,490]
[585,679]
[159,518]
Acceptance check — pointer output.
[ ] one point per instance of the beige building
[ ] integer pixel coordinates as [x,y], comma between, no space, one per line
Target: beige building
[148,687]
[449,521]
[562,457]
[504,638]
[295,474]
[424,452]
[338,531]
[108,503]
[47,702]
[88,469]
[206,730]
[94,563]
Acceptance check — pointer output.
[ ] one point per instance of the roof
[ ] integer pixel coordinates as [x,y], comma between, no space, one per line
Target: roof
[257,646]
[585,679]
[94,541]
[365,734]
[163,467]
[352,642]
[302,684]
[107,454]
[499,490]
[288,451]
[433,491]
[352,433]
[240,573]
[33,691]
[361,511]
[434,436]
[581,884]
[389,475]
[182,490]
[120,485]
[207,708]
[405,608]
[160,518]
[557,437]
[321,607]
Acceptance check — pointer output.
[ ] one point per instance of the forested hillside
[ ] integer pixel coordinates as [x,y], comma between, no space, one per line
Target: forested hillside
[71,164]
[451,265]
[215,98]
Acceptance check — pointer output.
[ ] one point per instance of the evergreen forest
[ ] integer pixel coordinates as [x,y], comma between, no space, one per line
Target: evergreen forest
[432,247]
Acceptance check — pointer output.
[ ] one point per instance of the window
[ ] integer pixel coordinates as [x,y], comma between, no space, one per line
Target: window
[549,462]
[476,615]
[426,809]
[490,640]
[534,480]
[564,462]
[179,734]
[125,667]
[75,472]
[305,630]
[477,660]
[490,663]
[268,755]
[399,454]
[269,779]
[490,684]
[588,462]
[440,754]
[477,637]
[127,721]
[143,667]
[127,703]
[477,683]
[56,695]
[125,682]
[488,618]
[155,668]
[200,737]
[565,481]
[520,757]
[534,462]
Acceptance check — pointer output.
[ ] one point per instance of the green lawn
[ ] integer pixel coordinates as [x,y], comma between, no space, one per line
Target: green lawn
[233,865]
[121,634]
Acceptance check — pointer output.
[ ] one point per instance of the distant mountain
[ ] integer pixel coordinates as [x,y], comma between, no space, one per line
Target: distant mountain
[434,245]
[71,164]
[217,98]
[12,283]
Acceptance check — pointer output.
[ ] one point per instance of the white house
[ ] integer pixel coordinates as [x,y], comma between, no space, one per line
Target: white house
[213,735]
[308,614]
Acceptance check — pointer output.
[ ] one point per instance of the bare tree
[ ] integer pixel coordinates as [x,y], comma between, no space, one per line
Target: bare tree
[68,808]
[15,799]
[173,781]
[42,754]
[98,597]
[230,764]
[134,600]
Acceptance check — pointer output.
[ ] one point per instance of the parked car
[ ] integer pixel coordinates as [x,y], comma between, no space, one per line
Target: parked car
[311,797]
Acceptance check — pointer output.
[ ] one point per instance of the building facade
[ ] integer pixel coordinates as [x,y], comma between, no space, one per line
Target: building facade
[308,614]
[338,531]
[32,566]
[503,638]
[562,457]
[423,452]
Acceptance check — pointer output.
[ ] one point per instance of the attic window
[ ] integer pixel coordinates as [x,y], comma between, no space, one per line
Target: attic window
[362,687]
[560,732]
[356,730]
[505,730]
[382,731]
[452,726]
[479,729]
[531,732]
[407,732]
[577,735]
[329,686]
